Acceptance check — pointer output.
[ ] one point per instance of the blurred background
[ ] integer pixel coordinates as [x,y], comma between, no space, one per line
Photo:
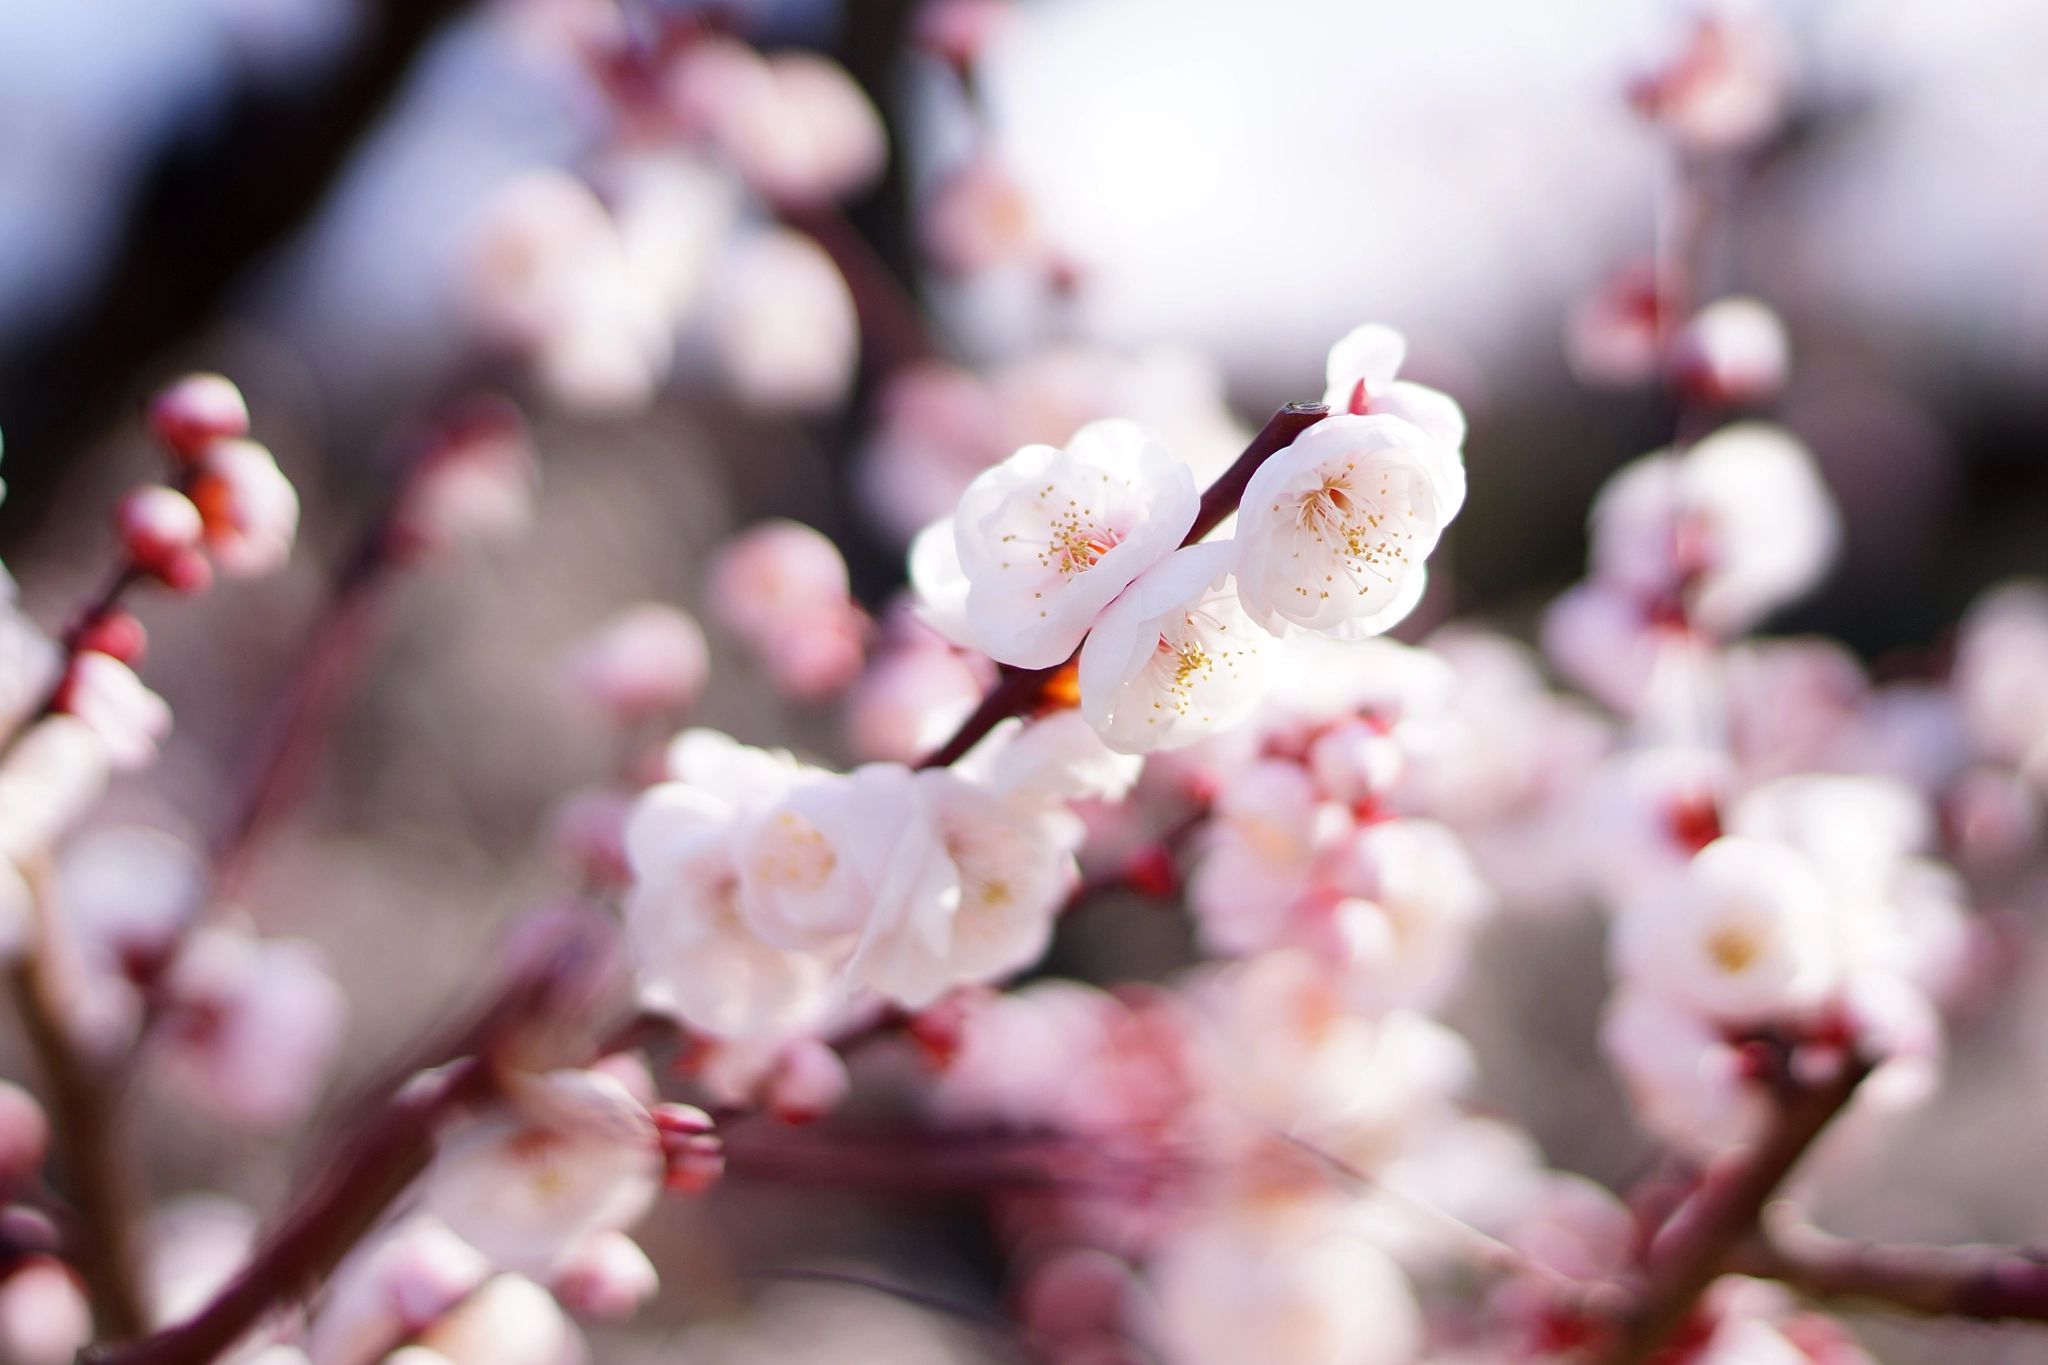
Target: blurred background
[291,191]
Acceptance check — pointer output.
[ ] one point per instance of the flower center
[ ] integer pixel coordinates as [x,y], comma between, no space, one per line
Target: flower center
[1077,543]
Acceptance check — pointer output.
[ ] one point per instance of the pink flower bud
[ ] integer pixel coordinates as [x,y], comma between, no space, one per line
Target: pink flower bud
[784,328]
[160,531]
[118,634]
[605,1278]
[249,507]
[474,486]
[1734,352]
[44,1319]
[24,1135]
[777,570]
[1726,90]
[251,1026]
[649,660]
[195,412]
[692,1155]
[808,1083]
[910,702]
[105,693]
[815,655]
[956,31]
[394,1285]
[1613,337]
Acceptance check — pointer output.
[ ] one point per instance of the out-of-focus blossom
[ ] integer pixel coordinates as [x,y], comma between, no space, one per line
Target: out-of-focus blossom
[1174,657]
[958,30]
[809,1081]
[795,125]
[977,218]
[588,833]
[251,1025]
[1688,1083]
[550,278]
[1735,527]
[1727,87]
[160,532]
[48,781]
[509,1321]
[1992,816]
[24,1135]
[195,1244]
[673,214]
[649,660]
[1648,811]
[940,426]
[196,411]
[782,587]
[783,325]
[1271,822]
[44,1318]
[571,1155]
[473,487]
[1744,935]
[1047,539]
[1360,381]
[909,702]
[129,718]
[126,894]
[2001,676]
[1333,530]
[1733,353]
[250,508]
[605,1278]
[1408,903]
[391,1287]
[827,1325]
[1614,338]
[1286,1286]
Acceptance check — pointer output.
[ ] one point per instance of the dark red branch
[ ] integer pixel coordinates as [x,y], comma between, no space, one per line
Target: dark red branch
[561,973]
[1984,1282]
[1697,1245]
[1023,690]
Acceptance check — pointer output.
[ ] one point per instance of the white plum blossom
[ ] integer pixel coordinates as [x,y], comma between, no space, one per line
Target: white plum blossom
[571,1155]
[1686,1079]
[1333,531]
[783,326]
[1174,658]
[393,1285]
[1735,527]
[1295,1286]
[1744,935]
[1360,380]
[972,893]
[1734,351]
[1410,901]
[1270,824]
[1048,538]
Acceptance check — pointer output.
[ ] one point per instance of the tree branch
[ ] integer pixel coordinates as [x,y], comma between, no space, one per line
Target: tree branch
[1697,1244]
[1984,1282]
[1023,690]
[559,978]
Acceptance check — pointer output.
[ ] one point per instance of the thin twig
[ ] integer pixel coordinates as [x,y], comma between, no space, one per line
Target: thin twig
[1023,690]
[1984,1282]
[84,1107]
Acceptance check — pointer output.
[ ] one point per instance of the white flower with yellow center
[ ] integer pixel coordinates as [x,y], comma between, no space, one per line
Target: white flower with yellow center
[1333,530]
[971,891]
[811,866]
[1048,538]
[1175,657]
[1744,935]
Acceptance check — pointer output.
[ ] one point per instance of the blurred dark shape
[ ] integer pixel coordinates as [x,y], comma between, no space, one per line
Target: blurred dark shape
[214,205]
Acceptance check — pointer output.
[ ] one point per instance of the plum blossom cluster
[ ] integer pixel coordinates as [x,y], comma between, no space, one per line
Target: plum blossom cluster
[673,239]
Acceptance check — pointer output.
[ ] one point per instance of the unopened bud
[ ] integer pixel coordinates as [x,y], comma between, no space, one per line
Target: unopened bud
[647,661]
[117,634]
[249,507]
[1734,352]
[691,1152]
[43,1315]
[160,530]
[605,1278]
[105,693]
[809,1082]
[195,412]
